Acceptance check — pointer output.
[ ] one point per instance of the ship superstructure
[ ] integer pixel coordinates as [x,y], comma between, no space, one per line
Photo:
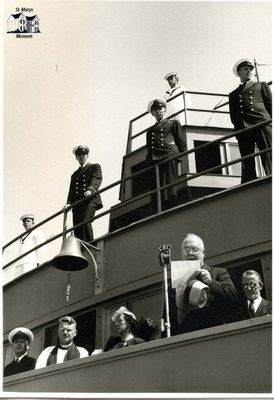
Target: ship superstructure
[235,222]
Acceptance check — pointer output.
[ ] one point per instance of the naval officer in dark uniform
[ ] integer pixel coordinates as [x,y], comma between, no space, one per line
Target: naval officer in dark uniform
[20,338]
[85,181]
[250,104]
[164,139]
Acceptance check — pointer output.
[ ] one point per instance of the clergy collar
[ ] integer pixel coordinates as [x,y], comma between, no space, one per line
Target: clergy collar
[64,346]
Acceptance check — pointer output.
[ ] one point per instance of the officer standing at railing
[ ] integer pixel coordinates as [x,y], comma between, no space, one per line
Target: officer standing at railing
[165,139]
[250,104]
[85,181]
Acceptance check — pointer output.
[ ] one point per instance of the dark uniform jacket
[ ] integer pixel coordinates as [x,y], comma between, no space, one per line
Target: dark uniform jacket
[265,308]
[222,296]
[251,105]
[25,364]
[87,178]
[165,139]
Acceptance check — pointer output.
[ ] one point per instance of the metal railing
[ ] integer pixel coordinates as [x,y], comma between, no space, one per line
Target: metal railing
[226,103]
[184,110]
[156,191]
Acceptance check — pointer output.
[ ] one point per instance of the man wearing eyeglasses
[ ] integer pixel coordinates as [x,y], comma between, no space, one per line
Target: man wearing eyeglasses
[65,350]
[222,292]
[253,305]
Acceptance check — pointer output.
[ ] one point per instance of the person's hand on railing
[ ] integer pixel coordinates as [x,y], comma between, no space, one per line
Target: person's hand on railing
[87,193]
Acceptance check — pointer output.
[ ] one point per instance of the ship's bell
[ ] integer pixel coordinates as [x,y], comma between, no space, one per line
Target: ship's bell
[70,257]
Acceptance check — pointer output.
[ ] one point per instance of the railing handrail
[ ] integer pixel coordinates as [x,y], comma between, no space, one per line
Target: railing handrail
[133,199]
[224,104]
[183,110]
[179,94]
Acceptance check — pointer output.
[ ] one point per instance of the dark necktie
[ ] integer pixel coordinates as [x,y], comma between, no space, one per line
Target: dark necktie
[241,86]
[251,308]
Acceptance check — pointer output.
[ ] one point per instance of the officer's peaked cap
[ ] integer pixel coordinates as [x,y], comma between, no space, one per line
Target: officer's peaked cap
[25,216]
[169,75]
[80,146]
[244,62]
[156,103]
[20,333]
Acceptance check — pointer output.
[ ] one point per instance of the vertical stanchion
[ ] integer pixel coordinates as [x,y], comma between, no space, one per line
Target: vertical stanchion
[158,193]
[64,224]
[256,70]
[184,97]
[164,258]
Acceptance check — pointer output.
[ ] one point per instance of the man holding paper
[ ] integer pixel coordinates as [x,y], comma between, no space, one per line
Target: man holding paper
[200,295]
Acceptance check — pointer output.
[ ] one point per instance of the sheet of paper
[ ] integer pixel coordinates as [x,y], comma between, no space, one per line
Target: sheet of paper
[183,271]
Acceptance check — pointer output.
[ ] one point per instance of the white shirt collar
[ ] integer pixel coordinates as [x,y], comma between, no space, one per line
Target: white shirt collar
[82,166]
[20,358]
[256,303]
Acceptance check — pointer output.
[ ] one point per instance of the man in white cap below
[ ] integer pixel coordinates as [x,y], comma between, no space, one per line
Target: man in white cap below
[221,296]
[249,104]
[31,239]
[65,350]
[85,182]
[178,103]
[164,139]
[20,339]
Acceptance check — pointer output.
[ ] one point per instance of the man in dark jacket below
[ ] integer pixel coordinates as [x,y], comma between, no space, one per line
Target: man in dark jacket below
[249,104]
[20,338]
[85,181]
[253,305]
[164,139]
[221,293]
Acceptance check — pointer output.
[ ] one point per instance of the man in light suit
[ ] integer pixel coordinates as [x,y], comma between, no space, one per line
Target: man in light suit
[85,181]
[254,305]
[250,104]
[20,338]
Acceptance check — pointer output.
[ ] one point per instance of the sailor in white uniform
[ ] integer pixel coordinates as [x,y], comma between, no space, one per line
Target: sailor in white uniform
[178,103]
[27,242]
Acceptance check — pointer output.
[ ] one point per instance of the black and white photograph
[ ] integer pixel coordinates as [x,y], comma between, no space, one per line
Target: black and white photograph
[137,194]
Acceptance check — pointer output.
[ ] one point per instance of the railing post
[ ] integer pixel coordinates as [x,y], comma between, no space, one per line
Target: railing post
[129,138]
[158,193]
[184,97]
[64,224]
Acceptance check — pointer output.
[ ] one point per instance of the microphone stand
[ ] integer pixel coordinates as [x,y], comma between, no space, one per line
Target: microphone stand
[164,258]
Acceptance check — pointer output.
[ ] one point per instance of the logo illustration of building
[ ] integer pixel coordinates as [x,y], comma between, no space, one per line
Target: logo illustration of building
[20,23]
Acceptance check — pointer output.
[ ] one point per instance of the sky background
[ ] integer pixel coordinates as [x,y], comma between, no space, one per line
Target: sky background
[94,67]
